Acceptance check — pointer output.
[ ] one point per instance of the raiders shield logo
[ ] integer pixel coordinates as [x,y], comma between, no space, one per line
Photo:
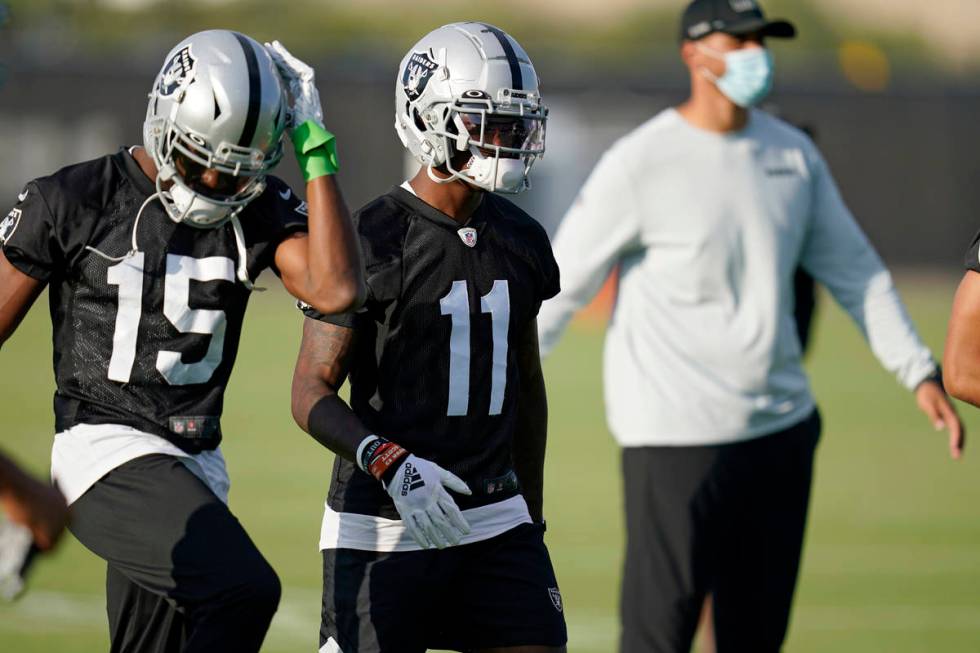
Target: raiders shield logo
[417,73]
[178,72]
[9,225]
[555,598]
[468,236]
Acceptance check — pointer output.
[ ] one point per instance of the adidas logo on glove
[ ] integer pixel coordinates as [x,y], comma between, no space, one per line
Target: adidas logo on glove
[411,480]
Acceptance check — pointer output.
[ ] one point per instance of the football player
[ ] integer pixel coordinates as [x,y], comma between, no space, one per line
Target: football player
[149,256]
[961,360]
[433,535]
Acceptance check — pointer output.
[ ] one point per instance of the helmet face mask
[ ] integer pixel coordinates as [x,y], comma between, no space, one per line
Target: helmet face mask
[469,88]
[214,126]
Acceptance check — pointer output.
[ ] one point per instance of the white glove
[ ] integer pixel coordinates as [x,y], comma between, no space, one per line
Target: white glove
[429,513]
[298,77]
[15,557]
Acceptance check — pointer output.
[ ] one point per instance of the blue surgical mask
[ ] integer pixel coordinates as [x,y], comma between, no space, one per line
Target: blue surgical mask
[748,74]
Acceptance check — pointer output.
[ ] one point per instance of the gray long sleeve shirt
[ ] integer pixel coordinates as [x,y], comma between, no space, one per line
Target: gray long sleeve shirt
[709,229]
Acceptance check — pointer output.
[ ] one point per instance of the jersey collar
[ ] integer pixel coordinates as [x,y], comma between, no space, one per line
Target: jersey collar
[131,168]
[429,212]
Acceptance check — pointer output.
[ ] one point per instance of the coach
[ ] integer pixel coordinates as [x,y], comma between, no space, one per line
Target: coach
[708,209]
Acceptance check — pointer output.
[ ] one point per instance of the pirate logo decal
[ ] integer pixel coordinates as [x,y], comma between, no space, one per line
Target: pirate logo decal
[417,73]
[178,73]
[555,596]
[9,225]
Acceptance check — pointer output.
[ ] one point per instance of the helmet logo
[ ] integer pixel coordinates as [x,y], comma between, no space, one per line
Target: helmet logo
[178,72]
[417,74]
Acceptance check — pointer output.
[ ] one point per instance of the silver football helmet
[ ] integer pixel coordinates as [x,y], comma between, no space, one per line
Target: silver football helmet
[471,88]
[214,126]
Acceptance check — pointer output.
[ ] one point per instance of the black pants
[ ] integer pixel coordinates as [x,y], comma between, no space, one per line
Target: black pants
[726,520]
[182,573]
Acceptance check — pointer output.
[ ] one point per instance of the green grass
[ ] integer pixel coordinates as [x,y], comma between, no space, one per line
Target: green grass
[891,561]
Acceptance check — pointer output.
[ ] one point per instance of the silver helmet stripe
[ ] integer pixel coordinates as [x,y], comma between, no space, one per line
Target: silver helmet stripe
[254,92]
[515,65]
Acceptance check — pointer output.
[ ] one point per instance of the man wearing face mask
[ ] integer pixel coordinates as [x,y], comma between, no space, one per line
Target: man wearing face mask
[708,209]
[149,255]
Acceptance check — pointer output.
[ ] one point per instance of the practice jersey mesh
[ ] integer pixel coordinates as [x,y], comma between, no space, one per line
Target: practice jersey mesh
[435,365]
[147,341]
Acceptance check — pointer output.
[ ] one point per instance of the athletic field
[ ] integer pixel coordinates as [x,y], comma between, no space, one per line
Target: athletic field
[892,560]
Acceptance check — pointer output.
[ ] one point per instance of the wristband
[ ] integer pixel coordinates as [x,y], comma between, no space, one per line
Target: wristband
[316,150]
[380,458]
[359,454]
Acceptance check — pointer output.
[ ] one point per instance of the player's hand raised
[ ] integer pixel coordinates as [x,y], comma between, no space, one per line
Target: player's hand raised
[299,79]
[418,489]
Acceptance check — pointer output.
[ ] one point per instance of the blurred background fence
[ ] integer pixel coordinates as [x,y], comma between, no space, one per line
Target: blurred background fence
[893,98]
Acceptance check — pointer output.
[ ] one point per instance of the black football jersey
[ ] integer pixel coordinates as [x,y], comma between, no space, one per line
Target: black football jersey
[434,365]
[972,258]
[147,341]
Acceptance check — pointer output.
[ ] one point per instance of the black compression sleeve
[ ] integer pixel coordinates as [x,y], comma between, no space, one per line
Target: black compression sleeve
[334,425]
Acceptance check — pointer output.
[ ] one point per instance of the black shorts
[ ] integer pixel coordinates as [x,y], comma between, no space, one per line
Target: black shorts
[182,574]
[495,593]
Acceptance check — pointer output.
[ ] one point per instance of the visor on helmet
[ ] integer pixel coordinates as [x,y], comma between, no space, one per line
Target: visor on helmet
[209,182]
[511,135]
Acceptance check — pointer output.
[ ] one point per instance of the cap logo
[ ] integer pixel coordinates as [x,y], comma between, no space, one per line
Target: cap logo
[417,73]
[178,73]
[743,5]
[698,30]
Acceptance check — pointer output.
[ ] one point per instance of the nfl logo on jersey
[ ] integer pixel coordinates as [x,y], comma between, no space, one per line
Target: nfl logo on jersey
[468,235]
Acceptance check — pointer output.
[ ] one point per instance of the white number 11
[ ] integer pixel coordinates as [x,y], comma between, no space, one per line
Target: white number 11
[457,305]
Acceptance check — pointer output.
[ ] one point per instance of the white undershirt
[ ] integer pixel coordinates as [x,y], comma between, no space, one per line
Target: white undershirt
[85,453]
[345,530]
[708,230]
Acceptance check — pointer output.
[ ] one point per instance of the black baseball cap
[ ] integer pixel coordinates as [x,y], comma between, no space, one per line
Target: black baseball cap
[735,17]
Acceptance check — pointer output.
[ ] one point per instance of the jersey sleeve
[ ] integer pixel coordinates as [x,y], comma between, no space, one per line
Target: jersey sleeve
[972,260]
[380,232]
[29,236]
[550,281]
[285,211]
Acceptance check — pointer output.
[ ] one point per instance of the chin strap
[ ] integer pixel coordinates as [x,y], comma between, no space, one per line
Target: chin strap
[135,248]
[430,169]
[236,227]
